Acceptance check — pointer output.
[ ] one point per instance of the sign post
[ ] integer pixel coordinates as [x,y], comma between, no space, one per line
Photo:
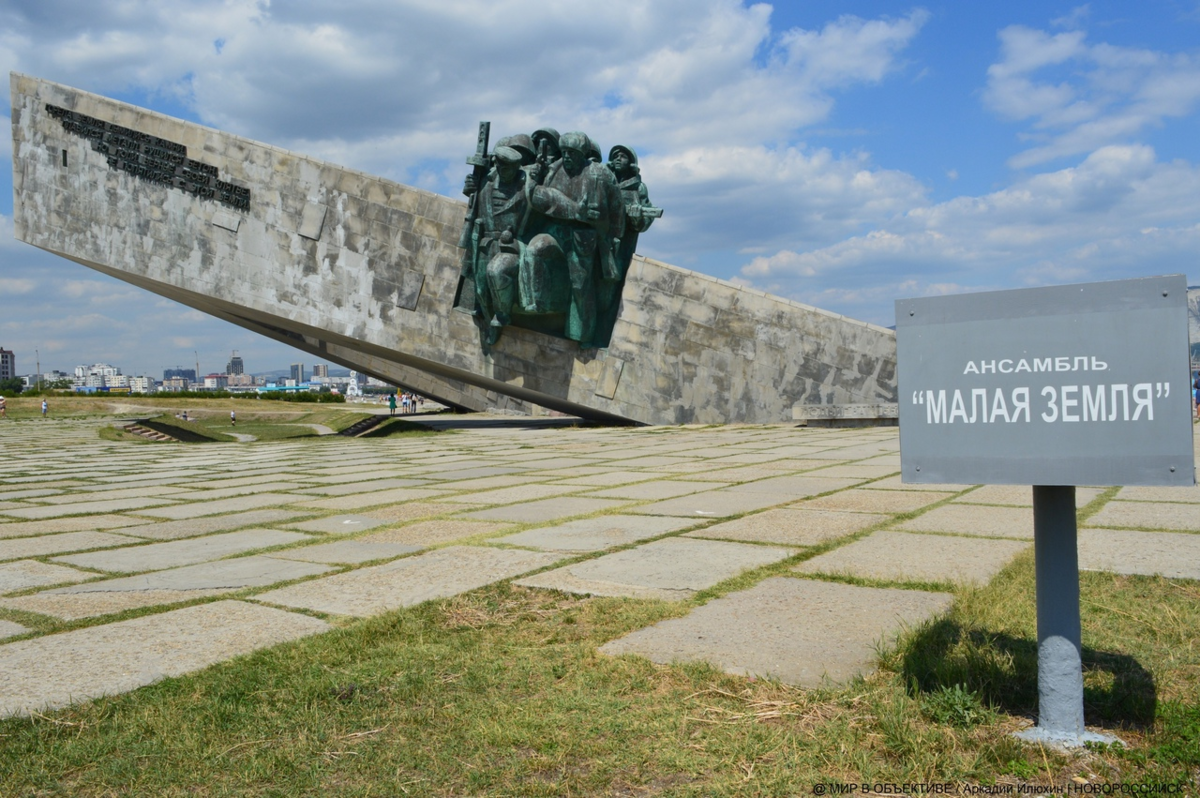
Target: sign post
[1050,387]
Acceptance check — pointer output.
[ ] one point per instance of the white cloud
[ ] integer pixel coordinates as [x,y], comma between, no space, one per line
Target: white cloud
[1120,213]
[15,287]
[388,86]
[1078,97]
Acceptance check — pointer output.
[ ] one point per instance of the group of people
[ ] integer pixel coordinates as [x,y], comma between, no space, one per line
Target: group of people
[408,403]
[551,229]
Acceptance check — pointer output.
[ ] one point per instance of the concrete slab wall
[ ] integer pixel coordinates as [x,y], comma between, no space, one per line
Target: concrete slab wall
[363,271]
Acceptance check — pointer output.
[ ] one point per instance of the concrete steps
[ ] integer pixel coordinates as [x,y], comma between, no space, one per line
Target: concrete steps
[359,427]
[150,434]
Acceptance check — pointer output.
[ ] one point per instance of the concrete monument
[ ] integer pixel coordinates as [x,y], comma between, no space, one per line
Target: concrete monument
[372,274]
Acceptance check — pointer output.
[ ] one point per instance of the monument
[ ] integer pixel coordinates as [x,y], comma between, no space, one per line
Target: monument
[529,296]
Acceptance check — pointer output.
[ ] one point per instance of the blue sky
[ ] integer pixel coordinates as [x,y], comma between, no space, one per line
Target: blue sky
[840,153]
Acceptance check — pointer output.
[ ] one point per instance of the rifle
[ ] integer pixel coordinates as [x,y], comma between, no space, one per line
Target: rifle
[480,161]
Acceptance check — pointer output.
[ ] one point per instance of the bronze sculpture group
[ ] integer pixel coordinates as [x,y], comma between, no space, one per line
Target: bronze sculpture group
[549,234]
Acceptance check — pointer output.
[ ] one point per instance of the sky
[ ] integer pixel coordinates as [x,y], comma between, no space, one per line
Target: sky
[842,153]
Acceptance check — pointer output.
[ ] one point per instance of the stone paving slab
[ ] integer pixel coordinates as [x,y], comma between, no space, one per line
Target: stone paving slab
[1175,555]
[220,506]
[338,524]
[861,500]
[857,471]
[5,506]
[1143,493]
[33,493]
[191,527]
[113,506]
[484,472]
[356,501]
[19,548]
[157,556]
[904,556]
[545,510]
[10,629]
[24,574]
[798,631]
[672,569]
[254,571]
[413,580]
[894,483]
[608,478]
[795,487]
[158,491]
[347,551]
[246,490]
[595,534]
[488,483]
[354,487]
[357,476]
[434,533]
[398,513]
[790,527]
[74,606]
[256,480]
[1018,495]
[520,493]
[57,670]
[1147,515]
[659,489]
[712,504]
[976,520]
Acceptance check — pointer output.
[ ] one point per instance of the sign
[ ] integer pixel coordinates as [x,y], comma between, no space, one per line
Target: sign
[1067,385]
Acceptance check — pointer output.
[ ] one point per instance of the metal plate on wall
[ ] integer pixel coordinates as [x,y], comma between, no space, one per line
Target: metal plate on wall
[1067,385]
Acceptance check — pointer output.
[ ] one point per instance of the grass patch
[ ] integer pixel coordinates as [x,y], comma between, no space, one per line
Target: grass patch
[501,692]
[398,426]
[206,426]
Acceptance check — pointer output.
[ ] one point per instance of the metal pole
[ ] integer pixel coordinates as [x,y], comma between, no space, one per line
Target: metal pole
[1060,667]
[1060,670]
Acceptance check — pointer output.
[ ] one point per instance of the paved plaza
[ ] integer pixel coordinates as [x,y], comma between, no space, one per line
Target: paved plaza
[223,549]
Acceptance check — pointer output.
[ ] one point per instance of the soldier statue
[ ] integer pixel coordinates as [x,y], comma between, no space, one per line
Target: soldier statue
[550,234]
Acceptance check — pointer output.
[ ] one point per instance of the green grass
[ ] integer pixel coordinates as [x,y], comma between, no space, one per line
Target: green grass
[502,692]
[209,425]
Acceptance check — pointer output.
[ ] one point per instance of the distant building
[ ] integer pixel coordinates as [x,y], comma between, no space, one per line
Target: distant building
[142,385]
[215,382]
[234,366]
[49,378]
[97,375]
[240,381]
[321,370]
[8,364]
[298,373]
[176,384]
[187,374]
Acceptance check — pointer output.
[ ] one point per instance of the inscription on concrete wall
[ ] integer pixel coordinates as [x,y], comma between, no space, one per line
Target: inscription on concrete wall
[151,158]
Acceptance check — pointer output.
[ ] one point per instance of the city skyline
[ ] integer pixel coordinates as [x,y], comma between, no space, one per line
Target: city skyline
[842,154]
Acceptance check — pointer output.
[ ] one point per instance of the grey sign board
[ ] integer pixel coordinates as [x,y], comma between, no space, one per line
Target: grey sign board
[1067,385]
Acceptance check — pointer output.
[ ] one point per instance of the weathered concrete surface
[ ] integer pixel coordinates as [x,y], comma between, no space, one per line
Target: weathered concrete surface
[403,583]
[594,534]
[796,630]
[904,556]
[791,527]
[58,670]
[371,286]
[1171,554]
[672,568]
[156,556]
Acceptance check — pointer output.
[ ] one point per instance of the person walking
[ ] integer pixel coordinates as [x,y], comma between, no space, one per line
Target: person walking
[233,418]
[391,404]
[45,408]
[3,408]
